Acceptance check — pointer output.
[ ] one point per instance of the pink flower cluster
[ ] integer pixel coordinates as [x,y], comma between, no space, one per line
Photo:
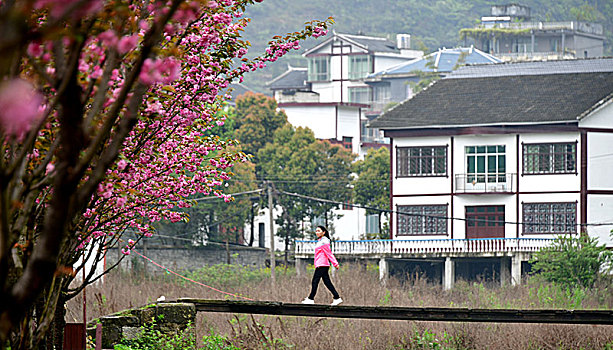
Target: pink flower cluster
[162,71]
[167,158]
[20,107]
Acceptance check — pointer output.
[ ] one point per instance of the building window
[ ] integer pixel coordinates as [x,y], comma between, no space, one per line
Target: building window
[372,223]
[319,68]
[359,66]
[550,218]
[359,95]
[485,164]
[421,161]
[348,142]
[550,158]
[522,45]
[422,220]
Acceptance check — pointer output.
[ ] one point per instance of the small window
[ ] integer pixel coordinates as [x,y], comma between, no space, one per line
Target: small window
[348,142]
[550,158]
[319,68]
[359,66]
[359,95]
[415,220]
[421,161]
[372,223]
[549,218]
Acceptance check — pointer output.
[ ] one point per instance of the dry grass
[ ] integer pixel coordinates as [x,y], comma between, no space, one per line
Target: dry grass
[359,286]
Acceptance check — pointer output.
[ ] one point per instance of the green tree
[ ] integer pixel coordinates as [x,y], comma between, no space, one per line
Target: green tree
[573,261]
[295,162]
[371,187]
[257,119]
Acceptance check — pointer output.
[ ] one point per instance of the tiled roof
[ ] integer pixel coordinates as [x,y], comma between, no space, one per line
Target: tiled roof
[373,44]
[237,90]
[444,60]
[369,43]
[293,78]
[536,68]
[490,99]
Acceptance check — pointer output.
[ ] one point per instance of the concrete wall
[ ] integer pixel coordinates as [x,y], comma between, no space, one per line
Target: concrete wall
[181,259]
[169,318]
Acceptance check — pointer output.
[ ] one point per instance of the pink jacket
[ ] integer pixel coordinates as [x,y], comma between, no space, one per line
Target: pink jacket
[323,253]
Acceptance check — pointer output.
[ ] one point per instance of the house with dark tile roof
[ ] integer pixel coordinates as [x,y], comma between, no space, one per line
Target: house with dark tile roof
[493,161]
[330,96]
[395,84]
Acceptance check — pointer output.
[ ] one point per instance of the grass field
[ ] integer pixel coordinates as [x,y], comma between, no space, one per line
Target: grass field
[359,285]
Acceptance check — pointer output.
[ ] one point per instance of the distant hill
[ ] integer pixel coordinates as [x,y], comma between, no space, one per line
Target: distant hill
[432,24]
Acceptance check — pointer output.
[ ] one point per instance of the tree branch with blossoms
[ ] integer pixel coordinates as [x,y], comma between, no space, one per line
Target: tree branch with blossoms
[104,110]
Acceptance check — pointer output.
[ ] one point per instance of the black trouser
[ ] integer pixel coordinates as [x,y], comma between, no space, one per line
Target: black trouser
[322,273]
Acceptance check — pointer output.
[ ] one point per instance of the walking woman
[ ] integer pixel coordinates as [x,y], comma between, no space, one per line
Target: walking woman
[323,258]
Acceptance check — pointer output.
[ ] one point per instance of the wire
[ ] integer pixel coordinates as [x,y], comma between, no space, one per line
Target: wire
[189,279]
[433,216]
[231,194]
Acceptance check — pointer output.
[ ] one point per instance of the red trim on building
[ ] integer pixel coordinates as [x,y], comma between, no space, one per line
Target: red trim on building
[583,200]
[482,130]
[323,104]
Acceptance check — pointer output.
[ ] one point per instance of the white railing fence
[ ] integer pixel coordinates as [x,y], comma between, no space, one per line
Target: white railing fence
[425,246]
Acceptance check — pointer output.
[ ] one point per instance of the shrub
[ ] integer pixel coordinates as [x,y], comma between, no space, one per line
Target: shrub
[572,261]
[151,338]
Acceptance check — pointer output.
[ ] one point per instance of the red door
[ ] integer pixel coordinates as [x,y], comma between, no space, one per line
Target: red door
[485,221]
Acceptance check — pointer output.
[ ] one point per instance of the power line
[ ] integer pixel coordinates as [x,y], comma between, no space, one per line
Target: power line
[433,216]
[231,194]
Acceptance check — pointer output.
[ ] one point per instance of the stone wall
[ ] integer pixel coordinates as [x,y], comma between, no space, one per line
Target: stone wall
[190,258]
[170,318]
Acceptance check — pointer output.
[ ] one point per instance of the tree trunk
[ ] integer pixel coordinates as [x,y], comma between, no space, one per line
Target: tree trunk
[252,226]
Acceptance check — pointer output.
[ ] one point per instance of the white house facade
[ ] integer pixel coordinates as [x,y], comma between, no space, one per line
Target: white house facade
[330,98]
[492,162]
[330,95]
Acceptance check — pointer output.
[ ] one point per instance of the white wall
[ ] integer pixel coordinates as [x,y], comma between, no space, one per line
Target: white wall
[349,125]
[600,210]
[600,161]
[552,182]
[320,119]
[600,118]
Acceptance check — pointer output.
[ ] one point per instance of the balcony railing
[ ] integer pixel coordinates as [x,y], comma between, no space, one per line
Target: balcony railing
[484,183]
[428,246]
[585,27]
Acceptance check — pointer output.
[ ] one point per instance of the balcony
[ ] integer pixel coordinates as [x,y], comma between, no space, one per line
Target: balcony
[584,27]
[381,247]
[485,183]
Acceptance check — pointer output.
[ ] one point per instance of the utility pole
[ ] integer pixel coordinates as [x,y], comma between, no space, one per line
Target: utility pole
[272,234]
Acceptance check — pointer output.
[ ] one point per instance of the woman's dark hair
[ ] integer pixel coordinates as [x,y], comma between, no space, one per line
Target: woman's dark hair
[323,228]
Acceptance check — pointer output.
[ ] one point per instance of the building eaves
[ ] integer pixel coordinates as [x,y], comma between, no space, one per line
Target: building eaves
[499,100]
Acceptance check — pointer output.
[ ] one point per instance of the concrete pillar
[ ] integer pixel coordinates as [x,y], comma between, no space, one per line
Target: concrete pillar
[505,271]
[516,270]
[300,267]
[449,274]
[384,271]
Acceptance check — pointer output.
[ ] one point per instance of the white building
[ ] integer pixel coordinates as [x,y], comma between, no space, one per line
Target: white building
[330,98]
[492,162]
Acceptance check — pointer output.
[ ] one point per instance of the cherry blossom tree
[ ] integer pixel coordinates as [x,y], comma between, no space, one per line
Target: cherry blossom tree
[106,108]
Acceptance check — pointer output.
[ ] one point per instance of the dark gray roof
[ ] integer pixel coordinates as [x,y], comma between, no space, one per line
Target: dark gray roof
[293,78]
[501,100]
[535,68]
[373,44]
[238,89]
[369,43]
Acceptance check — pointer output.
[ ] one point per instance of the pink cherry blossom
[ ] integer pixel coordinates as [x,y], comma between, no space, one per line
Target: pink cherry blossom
[19,107]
